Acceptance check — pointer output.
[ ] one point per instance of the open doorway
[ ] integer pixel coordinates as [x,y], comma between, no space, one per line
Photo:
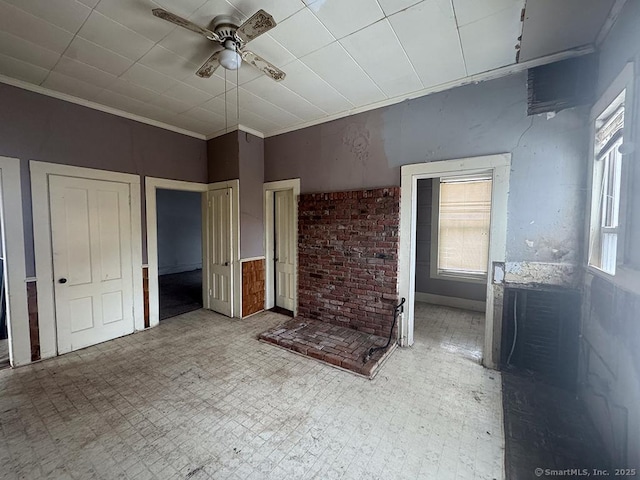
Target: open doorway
[281,233]
[179,221]
[460,264]
[453,215]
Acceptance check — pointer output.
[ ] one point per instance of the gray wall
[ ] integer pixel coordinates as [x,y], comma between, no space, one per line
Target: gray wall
[37,127]
[610,359]
[424,282]
[546,199]
[179,231]
[251,162]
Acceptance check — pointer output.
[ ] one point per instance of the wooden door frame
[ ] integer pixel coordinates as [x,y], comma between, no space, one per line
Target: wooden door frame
[43,250]
[500,166]
[151,186]
[16,299]
[269,188]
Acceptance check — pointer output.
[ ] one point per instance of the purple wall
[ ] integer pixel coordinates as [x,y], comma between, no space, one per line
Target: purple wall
[37,127]
[251,159]
[222,158]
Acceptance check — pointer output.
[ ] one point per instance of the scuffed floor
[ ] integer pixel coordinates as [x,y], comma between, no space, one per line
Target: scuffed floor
[200,397]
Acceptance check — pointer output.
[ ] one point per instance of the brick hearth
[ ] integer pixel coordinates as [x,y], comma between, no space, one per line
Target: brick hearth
[339,346]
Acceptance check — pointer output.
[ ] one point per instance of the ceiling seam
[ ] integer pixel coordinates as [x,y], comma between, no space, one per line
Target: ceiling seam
[405,52]
[455,18]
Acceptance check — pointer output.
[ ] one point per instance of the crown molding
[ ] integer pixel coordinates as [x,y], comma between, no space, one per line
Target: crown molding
[480,77]
[96,106]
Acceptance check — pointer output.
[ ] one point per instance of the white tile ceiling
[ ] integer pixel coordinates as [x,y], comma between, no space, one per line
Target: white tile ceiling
[339,55]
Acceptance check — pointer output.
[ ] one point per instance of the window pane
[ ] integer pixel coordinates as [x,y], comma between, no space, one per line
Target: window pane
[464,221]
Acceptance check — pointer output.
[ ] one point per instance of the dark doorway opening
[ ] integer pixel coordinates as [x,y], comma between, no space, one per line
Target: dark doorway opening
[179,216]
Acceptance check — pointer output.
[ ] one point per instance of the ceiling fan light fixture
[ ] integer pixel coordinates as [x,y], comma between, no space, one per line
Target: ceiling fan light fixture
[230,59]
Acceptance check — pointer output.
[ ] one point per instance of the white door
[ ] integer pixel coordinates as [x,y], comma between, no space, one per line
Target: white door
[91,240]
[219,246]
[285,242]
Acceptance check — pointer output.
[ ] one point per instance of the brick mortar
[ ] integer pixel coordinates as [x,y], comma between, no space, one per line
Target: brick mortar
[348,257]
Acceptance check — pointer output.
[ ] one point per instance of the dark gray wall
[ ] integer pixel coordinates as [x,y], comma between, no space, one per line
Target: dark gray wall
[546,200]
[424,282]
[610,361]
[222,158]
[37,127]
[179,231]
[251,162]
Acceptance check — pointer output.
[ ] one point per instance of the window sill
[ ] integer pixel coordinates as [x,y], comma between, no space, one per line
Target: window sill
[453,277]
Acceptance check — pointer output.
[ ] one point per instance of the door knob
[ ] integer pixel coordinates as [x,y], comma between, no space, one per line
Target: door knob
[62,280]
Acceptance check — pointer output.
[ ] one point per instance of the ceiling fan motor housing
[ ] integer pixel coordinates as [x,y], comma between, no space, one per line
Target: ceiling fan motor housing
[225,27]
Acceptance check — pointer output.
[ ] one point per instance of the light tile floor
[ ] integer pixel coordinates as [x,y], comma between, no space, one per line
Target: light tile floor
[199,397]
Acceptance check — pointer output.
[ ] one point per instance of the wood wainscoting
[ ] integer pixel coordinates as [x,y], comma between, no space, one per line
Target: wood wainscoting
[252,286]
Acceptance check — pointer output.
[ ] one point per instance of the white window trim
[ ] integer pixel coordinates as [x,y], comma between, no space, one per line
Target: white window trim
[434,272]
[624,81]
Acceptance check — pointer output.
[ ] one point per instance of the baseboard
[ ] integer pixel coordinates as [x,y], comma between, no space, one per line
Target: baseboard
[475,305]
[179,269]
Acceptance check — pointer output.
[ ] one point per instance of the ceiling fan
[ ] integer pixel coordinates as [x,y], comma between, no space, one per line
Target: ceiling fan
[225,31]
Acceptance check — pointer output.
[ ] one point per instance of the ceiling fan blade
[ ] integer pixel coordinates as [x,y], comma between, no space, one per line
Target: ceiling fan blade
[184,23]
[259,23]
[208,67]
[261,64]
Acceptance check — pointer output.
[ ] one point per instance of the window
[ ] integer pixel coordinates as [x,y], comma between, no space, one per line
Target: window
[606,187]
[462,219]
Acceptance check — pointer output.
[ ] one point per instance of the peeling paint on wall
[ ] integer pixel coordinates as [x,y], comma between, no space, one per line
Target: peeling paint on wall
[561,274]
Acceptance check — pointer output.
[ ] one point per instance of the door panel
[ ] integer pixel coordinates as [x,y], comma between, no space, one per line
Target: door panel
[284,249]
[91,240]
[220,260]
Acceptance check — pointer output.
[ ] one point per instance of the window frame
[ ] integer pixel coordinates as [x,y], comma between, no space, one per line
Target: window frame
[435,272]
[624,82]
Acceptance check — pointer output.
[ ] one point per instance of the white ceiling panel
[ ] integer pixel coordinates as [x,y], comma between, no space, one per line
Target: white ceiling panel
[137,16]
[32,28]
[213,86]
[207,116]
[122,102]
[71,86]
[22,49]
[281,96]
[187,94]
[269,111]
[171,104]
[88,52]
[499,33]
[279,9]
[339,70]
[114,36]
[393,6]
[20,70]
[131,90]
[468,11]
[429,35]
[122,56]
[345,17]
[302,33]
[167,62]
[66,14]
[302,80]
[378,51]
[269,49]
[86,73]
[149,78]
